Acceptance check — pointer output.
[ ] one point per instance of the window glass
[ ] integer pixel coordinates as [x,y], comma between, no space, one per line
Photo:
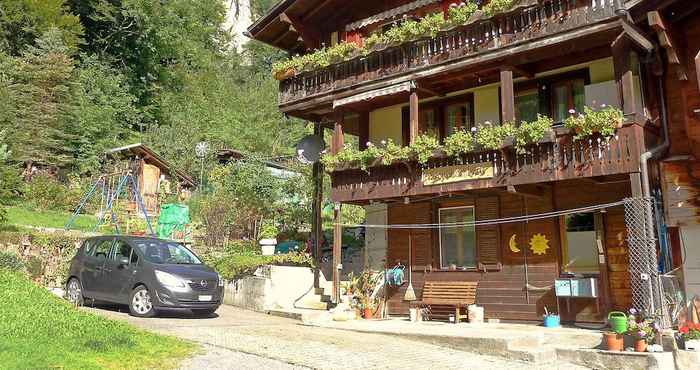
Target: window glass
[123,249]
[457,244]
[567,95]
[527,105]
[167,253]
[458,117]
[581,248]
[429,122]
[102,248]
[89,247]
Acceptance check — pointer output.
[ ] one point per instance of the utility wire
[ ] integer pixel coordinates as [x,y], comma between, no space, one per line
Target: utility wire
[496,221]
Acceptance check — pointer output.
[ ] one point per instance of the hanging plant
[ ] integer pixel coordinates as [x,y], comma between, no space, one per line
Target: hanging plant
[393,152]
[603,121]
[533,132]
[495,137]
[423,148]
[460,142]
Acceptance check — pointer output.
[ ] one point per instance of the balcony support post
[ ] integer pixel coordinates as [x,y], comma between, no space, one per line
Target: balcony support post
[337,250]
[507,96]
[316,224]
[413,113]
[338,139]
[364,130]
[624,75]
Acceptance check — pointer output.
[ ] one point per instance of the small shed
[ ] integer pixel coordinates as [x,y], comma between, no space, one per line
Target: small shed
[154,175]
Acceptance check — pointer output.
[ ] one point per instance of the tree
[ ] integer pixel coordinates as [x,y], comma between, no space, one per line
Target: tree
[23,21]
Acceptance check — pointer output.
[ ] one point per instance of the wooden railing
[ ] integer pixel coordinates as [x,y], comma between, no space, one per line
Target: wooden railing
[548,18]
[562,159]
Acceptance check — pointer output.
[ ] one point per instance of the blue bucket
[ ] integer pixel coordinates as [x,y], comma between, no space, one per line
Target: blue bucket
[551,321]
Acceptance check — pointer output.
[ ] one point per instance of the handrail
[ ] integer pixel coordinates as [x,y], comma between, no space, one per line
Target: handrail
[524,23]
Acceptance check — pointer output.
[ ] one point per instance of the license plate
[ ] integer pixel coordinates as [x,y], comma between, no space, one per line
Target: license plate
[205,298]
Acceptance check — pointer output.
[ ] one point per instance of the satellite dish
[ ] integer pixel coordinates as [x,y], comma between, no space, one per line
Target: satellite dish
[309,149]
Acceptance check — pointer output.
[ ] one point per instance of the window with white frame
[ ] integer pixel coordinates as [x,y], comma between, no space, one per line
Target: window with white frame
[457,243]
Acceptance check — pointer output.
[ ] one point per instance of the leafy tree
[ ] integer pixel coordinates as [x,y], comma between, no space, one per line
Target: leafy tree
[23,21]
[9,174]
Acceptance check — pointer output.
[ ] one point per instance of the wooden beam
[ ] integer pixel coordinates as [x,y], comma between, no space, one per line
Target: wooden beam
[624,76]
[338,142]
[527,72]
[697,68]
[507,96]
[413,114]
[637,36]
[310,37]
[530,192]
[363,129]
[664,34]
[337,250]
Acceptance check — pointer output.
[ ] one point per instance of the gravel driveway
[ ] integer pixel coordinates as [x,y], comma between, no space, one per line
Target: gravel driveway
[240,339]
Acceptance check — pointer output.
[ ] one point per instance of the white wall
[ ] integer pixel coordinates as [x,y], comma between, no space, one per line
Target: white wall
[375,238]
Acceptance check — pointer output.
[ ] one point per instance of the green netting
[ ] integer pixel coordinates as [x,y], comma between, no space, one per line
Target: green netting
[173,217]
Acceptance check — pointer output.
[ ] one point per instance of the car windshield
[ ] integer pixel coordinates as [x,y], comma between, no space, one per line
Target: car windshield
[162,252]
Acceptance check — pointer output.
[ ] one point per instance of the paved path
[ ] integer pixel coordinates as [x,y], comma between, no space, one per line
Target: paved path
[240,339]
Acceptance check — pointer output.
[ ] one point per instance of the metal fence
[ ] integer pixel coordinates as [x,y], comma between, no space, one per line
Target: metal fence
[643,263]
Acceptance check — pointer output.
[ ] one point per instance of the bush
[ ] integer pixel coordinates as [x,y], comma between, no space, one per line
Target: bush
[491,136]
[10,261]
[460,142]
[238,264]
[46,192]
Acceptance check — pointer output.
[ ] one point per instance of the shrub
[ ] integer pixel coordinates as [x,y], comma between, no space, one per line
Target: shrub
[460,142]
[604,121]
[46,192]
[532,132]
[491,136]
[394,152]
[10,261]
[423,147]
[269,230]
[236,265]
[459,15]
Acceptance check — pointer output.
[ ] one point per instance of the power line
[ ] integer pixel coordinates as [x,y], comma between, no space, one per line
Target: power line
[496,221]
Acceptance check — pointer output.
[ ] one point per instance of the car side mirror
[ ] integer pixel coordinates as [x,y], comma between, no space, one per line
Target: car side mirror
[123,261]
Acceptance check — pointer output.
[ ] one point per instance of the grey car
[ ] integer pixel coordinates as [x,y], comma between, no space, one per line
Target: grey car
[144,273]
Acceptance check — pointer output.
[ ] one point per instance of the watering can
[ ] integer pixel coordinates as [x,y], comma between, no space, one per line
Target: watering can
[618,322]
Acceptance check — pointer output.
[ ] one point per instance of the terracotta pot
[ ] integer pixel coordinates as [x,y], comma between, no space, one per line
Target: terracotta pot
[640,345]
[614,341]
[367,313]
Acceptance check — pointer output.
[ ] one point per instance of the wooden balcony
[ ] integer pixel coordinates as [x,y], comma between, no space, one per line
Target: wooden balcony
[520,26]
[562,159]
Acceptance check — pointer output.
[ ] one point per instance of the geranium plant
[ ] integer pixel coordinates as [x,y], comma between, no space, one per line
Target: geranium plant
[641,326]
[460,142]
[423,147]
[532,132]
[394,152]
[491,136]
[603,121]
[690,331]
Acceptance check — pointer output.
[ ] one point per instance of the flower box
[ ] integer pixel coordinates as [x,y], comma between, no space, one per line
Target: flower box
[692,345]
[508,142]
[549,137]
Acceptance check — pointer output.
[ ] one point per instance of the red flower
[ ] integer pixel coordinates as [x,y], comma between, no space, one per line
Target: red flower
[684,329]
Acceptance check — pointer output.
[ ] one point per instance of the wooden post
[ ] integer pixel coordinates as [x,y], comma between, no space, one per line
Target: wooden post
[507,96]
[338,141]
[697,68]
[413,113]
[624,76]
[363,135]
[316,224]
[337,251]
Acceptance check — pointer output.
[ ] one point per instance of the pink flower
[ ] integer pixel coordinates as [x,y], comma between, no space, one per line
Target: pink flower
[572,111]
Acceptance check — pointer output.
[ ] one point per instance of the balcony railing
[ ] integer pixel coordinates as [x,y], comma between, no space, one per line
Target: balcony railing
[544,19]
[562,159]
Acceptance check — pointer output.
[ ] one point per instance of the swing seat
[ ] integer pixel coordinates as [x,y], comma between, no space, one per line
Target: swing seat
[457,294]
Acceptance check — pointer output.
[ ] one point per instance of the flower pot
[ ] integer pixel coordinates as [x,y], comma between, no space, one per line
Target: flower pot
[549,137]
[640,345]
[552,321]
[367,313]
[692,345]
[614,341]
[267,246]
[439,154]
[508,142]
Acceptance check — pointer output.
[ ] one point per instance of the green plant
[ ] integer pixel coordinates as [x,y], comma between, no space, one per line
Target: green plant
[491,136]
[269,230]
[394,152]
[603,121]
[459,15]
[460,142]
[532,132]
[365,285]
[689,331]
[318,59]
[237,264]
[641,326]
[10,261]
[497,6]
[423,147]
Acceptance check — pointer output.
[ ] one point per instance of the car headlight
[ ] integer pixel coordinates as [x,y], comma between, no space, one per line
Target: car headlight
[221,280]
[170,280]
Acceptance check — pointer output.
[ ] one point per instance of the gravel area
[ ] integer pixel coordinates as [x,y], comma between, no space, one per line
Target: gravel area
[240,339]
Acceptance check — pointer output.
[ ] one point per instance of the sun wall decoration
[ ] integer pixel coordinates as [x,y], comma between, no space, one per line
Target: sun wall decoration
[539,244]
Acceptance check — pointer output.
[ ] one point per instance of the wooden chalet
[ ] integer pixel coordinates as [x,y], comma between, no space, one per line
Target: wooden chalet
[543,57]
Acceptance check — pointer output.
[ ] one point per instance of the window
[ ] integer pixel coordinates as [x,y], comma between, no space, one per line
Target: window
[167,253]
[567,95]
[457,244]
[458,117]
[123,249]
[102,248]
[580,243]
[527,105]
[429,123]
[89,247]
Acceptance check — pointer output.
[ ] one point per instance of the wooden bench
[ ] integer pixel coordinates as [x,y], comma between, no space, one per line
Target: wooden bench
[458,294]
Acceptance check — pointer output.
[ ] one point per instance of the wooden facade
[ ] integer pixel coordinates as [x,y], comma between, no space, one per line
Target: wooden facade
[653,48]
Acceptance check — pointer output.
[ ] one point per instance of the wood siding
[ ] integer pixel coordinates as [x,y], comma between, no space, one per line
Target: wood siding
[516,292]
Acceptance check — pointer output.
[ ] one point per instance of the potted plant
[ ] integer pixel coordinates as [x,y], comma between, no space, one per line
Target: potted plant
[268,237]
[603,121]
[642,328]
[614,341]
[690,333]
[496,137]
[537,131]
[459,143]
[364,292]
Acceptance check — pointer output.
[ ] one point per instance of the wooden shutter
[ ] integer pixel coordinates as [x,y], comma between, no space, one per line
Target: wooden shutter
[487,237]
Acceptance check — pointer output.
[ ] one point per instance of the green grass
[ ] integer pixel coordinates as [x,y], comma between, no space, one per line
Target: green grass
[40,331]
[52,219]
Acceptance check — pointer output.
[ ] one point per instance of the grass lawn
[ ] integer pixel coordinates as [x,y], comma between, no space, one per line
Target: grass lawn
[44,218]
[39,331]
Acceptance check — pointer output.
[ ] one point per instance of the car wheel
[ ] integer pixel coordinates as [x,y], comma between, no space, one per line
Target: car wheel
[141,304]
[203,312]
[74,292]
